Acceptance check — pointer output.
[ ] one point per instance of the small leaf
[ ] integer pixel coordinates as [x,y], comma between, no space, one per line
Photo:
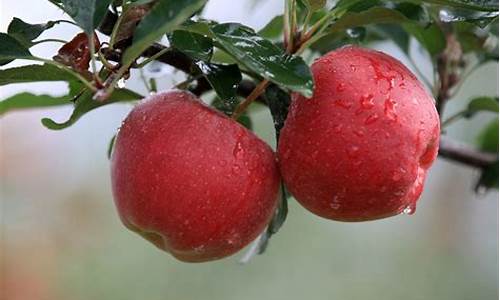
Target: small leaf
[488,141]
[86,13]
[11,49]
[29,100]
[24,32]
[482,104]
[224,79]
[32,73]
[263,57]
[162,18]
[192,44]
[488,138]
[85,103]
[274,29]
[314,4]
[76,53]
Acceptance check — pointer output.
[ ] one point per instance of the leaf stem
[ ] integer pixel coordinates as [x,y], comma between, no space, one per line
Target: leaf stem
[293,25]
[65,68]
[114,32]
[153,57]
[253,95]
[453,118]
[67,22]
[49,40]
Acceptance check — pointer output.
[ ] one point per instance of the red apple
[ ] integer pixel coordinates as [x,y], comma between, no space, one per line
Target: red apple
[360,148]
[190,180]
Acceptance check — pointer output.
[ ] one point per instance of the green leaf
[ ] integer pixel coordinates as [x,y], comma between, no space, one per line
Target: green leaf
[32,73]
[274,29]
[163,17]
[192,44]
[29,100]
[374,15]
[489,177]
[482,104]
[11,49]
[85,103]
[25,33]
[88,14]
[263,57]
[488,141]
[481,19]
[313,5]
[224,79]
[199,26]
[394,33]
[246,121]
[481,5]
[278,102]
[430,37]
[488,138]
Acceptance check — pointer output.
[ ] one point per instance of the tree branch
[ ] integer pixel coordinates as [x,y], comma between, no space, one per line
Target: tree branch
[465,154]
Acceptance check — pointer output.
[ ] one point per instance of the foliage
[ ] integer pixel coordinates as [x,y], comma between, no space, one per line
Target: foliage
[458,35]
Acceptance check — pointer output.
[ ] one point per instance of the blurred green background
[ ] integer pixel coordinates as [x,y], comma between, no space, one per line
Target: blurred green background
[61,237]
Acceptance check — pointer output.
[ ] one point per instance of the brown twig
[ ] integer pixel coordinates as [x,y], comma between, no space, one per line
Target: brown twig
[465,154]
[253,95]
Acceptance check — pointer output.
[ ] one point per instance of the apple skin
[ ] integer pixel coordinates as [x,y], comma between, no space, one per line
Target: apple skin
[190,180]
[360,148]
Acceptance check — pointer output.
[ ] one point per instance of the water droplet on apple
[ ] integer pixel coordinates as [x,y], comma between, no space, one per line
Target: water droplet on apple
[337,128]
[353,151]
[343,103]
[340,87]
[367,101]
[371,119]
[390,109]
[410,209]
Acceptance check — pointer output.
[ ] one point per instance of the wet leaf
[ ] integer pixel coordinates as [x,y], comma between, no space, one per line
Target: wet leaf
[224,79]
[163,17]
[192,44]
[263,57]
[481,5]
[480,19]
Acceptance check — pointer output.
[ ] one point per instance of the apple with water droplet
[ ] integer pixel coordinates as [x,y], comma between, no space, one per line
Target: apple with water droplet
[360,148]
[191,180]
